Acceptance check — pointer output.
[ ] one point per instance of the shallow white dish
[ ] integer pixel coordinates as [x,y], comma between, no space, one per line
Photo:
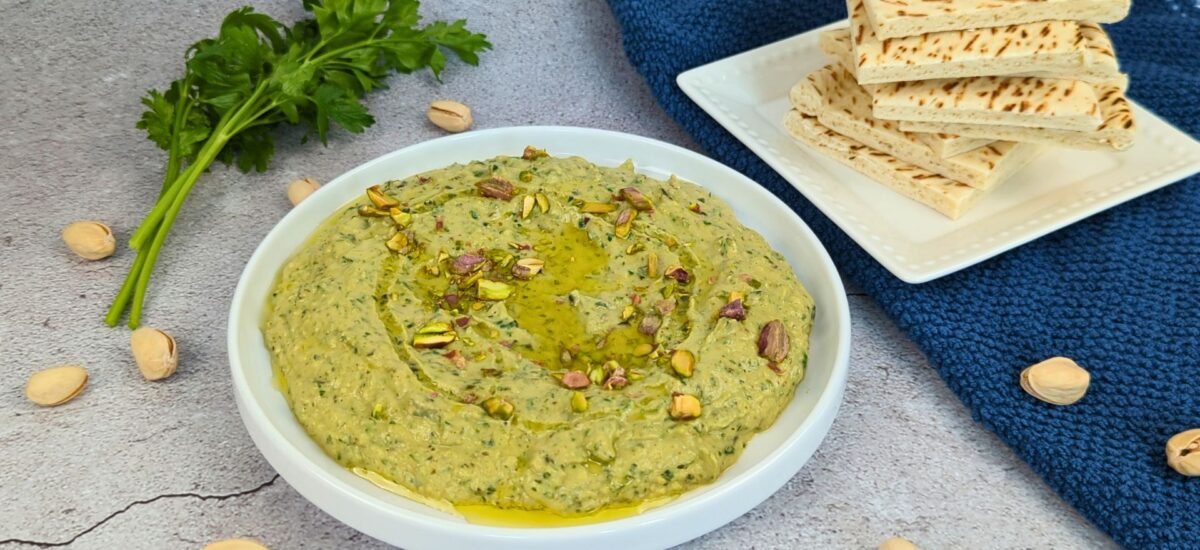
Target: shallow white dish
[772,458]
[747,94]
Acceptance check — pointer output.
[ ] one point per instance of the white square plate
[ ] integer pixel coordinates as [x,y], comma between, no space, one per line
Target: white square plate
[748,95]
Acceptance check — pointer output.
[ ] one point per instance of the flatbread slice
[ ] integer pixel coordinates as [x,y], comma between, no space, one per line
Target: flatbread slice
[844,107]
[1101,66]
[1030,102]
[947,196]
[898,18]
[1116,132]
[1062,49]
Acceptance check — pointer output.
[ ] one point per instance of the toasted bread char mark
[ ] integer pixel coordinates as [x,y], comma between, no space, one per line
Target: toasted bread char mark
[893,20]
[1117,131]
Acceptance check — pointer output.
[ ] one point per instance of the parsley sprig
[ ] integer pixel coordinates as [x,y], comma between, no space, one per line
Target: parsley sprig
[257,74]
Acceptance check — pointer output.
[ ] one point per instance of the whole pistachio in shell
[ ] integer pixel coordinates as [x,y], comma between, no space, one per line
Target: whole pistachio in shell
[1057,380]
[56,385]
[300,189]
[450,116]
[236,544]
[1183,452]
[155,353]
[897,543]
[90,240]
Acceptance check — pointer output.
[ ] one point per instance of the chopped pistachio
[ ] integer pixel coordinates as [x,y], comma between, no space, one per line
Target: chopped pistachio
[493,290]
[398,243]
[527,206]
[736,295]
[498,408]
[625,222]
[399,217]
[596,375]
[628,312]
[643,349]
[579,402]
[733,310]
[637,199]
[380,200]
[597,207]
[684,406]
[433,269]
[683,362]
[668,290]
[678,273]
[543,202]
[695,207]
[428,341]
[471,280]
[526,268]
[369,211]
[467,263]
[435,327]
[634,248]
[635,375]
[576,379]
[525,176]
[614,376]
[377,412]
[773,343]
[652,265]
[496,187]
[650,324]
[533,153]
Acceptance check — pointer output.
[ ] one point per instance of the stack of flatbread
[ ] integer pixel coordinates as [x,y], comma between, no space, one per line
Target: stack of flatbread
[942,100]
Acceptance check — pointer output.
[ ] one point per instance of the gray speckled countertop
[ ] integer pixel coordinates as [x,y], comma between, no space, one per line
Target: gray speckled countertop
[132,464]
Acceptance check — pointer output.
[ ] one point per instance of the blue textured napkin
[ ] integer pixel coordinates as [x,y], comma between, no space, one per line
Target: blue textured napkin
[1119,292]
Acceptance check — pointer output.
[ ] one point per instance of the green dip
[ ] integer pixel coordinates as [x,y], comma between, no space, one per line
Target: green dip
[481,414]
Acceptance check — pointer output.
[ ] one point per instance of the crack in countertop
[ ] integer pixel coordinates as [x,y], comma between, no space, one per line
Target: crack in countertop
[98,524]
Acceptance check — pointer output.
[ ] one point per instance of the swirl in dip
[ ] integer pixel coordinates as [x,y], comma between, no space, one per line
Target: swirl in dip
[537,333]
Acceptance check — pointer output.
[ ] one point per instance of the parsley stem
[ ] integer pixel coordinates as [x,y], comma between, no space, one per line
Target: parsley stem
[118,306]
[180,190]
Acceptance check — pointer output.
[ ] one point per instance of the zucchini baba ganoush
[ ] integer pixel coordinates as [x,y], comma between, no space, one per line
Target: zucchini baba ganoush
[537,333]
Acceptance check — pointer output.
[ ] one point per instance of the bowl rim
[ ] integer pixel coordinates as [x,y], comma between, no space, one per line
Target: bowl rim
[269,440]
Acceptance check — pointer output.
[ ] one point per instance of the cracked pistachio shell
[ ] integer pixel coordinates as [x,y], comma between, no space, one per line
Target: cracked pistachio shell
[155,353]
[1183,452]
[300,189]
[236,544]
[90,240]
[56,385]
[1058,380]
[897,543]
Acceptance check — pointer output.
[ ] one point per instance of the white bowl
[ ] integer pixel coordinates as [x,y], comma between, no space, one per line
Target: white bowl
[771,458]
